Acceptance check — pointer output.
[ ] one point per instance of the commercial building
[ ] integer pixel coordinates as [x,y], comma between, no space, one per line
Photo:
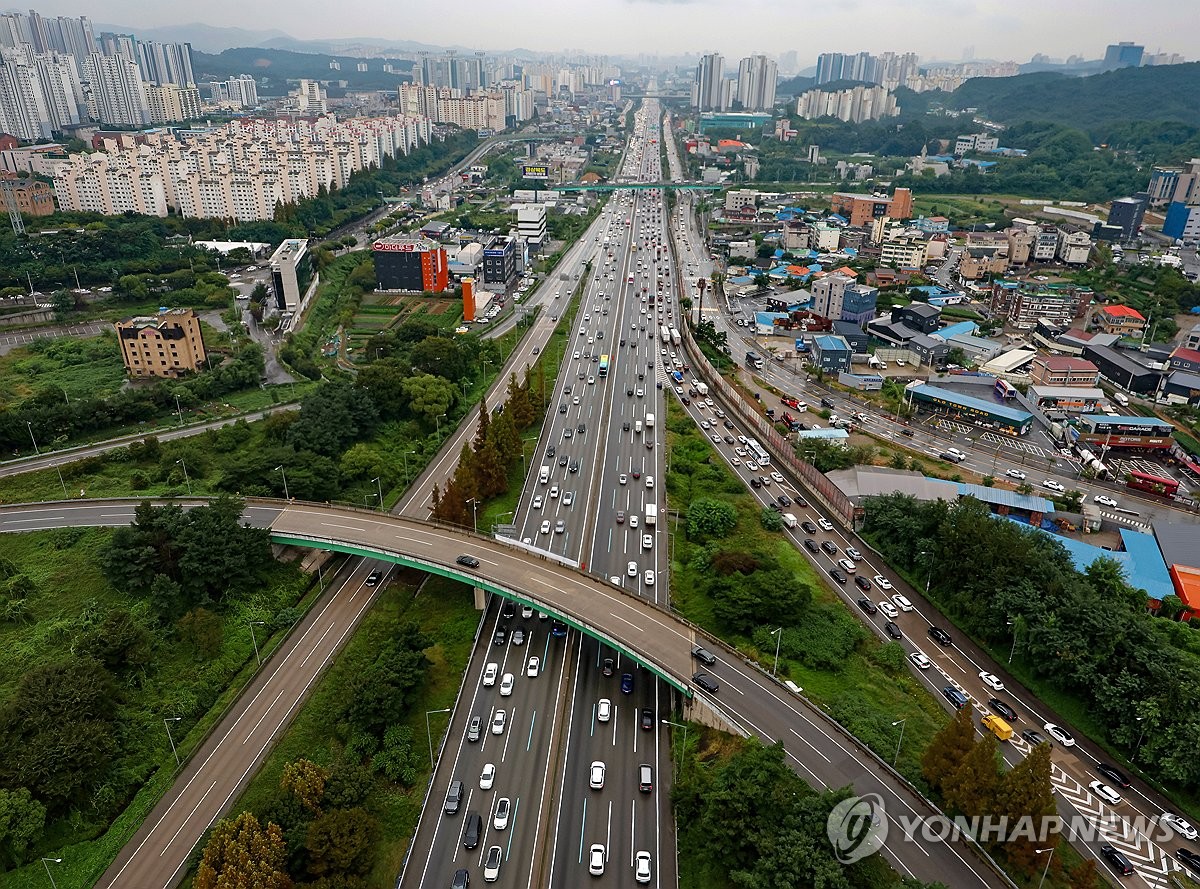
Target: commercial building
[1127,214]
[1061,370]
[1067,399]
[1185,359]
[410,265]
[292,272]
[921,317]
[1007,419]
[1169,185]
[500,264]
[1074,248]
[1117,365]
[861,210]
[1182,222]
[831,353]
[1121,320]
[531,224]
[168,344]
[1136,433]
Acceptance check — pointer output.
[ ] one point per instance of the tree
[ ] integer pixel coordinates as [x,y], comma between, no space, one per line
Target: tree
[242,854]
[119,643]
[341,841]
[710,518]
[948,748]
[385,382]
[771,520]
[22,821]
[332,417]
[304,780]
[973,786]
[1026,791]
[383,693]
[429,397]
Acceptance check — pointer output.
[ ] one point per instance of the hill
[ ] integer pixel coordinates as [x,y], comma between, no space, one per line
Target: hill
[275,67]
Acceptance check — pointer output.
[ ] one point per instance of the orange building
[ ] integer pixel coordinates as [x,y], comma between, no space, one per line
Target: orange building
[168,344]
[863,209]
[33,197]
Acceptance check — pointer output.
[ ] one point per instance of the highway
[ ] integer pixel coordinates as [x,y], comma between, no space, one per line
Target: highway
[748,696]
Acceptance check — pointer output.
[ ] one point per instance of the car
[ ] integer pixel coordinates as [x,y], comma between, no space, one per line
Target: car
[506,684]
[554,492]
[596,776]
[454,797]
[888,609]
[755,483]
[562,408]
[574,467]
[603,710]
[475,729]
[1054,486]
[1034,737]
[488,776]
[633,521]
[1116,859]
[1113,774]
[534,665]
[622,479]
[955,696]
[498,721]
[649,481]
[893,630]
[596,860]
[490,672]
[846,565]
[632,569]
[825,524]
[647,541]
[811,546]
[1189,858]
[627,683]
[940,636]
[991,680]
[641,867]
[920,660]
[851,551]
[537,502]
[503,812]
[648,578]
[608,668]
[830,547]
[560,526]
[1017,474]
[1178,825]
[468,561]
[809,527]
[902,602]
[646,719]
[703,655]
[762,478]
[867,605]
[564,459]
[526,611]
[620,517]
[491,866]
[1003,708]
[776,477]
[884,584]
[706,682]
[1104,500]
[461,879]
[374,577]
[783,500]
[1060,734]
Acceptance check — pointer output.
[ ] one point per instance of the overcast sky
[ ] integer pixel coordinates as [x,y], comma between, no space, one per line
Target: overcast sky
[1000,29]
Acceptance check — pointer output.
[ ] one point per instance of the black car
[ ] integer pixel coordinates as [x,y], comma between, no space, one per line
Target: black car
[940,636]
[374,577]
[706,682]
[811,546]
[774,507]
[809,527]
[461,879]
[551,451]
[1002,708]
[800,502]
[1189,859]
[468,561]
[892,630]
[1034,737]
[562,408]
[564,460]
[574,467]
[704,656]
[829,546]
[629,391]
[867,605]
[625,426]
[1117,859]
[727,424]
[581,428]
[472,830]
[508,610]
[608,667]
[859,581]
[501,636]
[647,719]
[1115,775]
[686,401]
[783,500]
[827,402]
[908,432]
[755,483]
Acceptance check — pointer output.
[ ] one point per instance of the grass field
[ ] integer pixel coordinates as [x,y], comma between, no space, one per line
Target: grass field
[80,367]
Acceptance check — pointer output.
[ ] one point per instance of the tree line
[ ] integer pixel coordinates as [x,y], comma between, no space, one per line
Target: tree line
[1088,635]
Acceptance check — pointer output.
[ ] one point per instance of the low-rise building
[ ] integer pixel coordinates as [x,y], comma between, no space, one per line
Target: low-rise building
[1061,370]
[904,253]
[1119,366]
[831,353]
[863,209]
[1025,303]
[1074,248]
[1067,399]
[921,317]
[1121,320]
[415,264]
[167,345]
[1185,359]
[32,196]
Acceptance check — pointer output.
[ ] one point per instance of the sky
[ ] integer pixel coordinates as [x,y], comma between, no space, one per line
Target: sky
[945,30]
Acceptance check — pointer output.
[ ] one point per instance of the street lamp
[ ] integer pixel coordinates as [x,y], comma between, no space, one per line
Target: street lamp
[1141,737]
[60,481]
[474,513]
[778,634]
[682,725]
[438,421]
[185,476]
[167,722]
[179,410]
[1047,868]
[405,454]
[899,722]
[29,426]
[286,495]
[379,488]
[45,864]
[254,639]
[429,734]
[929,577]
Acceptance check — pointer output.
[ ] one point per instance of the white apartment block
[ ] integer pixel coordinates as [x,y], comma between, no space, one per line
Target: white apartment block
[116,94]
[310,98]
[740,199]
[169,103]
[907,253]
[1074,248]
[853,105]
[243,90]
[241,171]
[24,111]
[478,111]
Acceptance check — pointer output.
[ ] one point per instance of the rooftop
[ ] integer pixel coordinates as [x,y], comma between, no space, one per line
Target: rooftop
[1123,312]
[1065,363]
[971,401]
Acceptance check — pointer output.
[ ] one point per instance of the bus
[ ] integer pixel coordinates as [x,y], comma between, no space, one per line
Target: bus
[603,365]
[757,452]
[1152,484]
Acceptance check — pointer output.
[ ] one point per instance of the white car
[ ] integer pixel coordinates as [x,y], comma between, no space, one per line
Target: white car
[752,465]
[554,493]
[568,498]
[991,680]
[1104,501]
[491,866]
[535,664]
[633,521]
[1178,825]
[889,609]
[647,541]
[901,601]
[1105,792]
[854,554]
[825,524]
[649,481]
[537,502]
[498,722]
[545,528]
[631,569]
[487,777]
[920,661]
[622,479]
[596,860]
[882,582]
[848,566]
[503,811]
[604,710]
[596,776]
[1059,734]
[641,867]
[704,424]
[490,672]
[1016,473]
[648,578]
[506,685]
[776,477]
[1054,486]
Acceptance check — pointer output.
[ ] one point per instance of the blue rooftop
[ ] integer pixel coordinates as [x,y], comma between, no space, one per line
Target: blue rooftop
[963,328]
[1142,561]
[823,433]
[837,217]
[978,404]
[827,343]
[1005,497]
[768,317]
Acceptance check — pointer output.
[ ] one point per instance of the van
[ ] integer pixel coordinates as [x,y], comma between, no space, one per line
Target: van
[955,697]
[649,421]
[544,475]
[789,520]
[997,726]
[637,427]
[645,778]
[1121,399]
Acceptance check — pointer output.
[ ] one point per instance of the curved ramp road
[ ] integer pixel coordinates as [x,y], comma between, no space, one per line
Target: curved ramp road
[817,749]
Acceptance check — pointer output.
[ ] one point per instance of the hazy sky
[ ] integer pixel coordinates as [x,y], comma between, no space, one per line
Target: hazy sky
[1000,29]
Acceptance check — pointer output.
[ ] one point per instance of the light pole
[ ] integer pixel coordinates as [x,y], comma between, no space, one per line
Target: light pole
[185,476]
[682,725]
[379,488]
[474,513]
[429,734]
[29,426]
[1013,650]
[438,421]
[254,639]
[167,722]
[898,722]
[1046,870]
[179,410]
[778,634]
[60,480]
[929,577]
[286,495]
[1141,737]
[45,864]
[406,453]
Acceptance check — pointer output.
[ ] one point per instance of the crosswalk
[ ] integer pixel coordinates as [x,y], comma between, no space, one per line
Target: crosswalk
[1126,520]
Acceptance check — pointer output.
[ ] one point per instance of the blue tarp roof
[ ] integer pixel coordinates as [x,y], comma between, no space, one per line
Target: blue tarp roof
[778,254]
[768,317]
[1142,560]
[837,217]
[962,328]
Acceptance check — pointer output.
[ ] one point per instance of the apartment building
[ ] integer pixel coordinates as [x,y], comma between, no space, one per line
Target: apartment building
[1024,304]
[1074,248]
[168,344]
[169,102]
[863,209]
[1064,371]
[855,105]
[117,94]
[904,253]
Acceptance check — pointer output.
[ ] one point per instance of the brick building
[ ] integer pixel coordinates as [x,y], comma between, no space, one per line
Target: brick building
[168,344]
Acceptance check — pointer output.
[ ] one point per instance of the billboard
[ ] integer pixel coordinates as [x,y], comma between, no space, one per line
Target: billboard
[535,171]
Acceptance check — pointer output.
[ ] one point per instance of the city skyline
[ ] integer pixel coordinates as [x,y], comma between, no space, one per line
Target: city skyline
[1016,29]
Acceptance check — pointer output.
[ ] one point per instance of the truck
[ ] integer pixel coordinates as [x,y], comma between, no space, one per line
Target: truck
[649,421]
[1121,398]
[544,475]
[754,360]
[789,520]
[702,388]
[997,726]
[651,515]
[674,337]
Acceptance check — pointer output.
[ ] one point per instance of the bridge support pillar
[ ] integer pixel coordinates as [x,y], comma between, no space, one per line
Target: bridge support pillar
[480,599]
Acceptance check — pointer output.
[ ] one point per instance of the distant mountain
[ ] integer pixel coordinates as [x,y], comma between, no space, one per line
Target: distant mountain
[273,68]
[1161,93]
[794,86]
[203,38]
